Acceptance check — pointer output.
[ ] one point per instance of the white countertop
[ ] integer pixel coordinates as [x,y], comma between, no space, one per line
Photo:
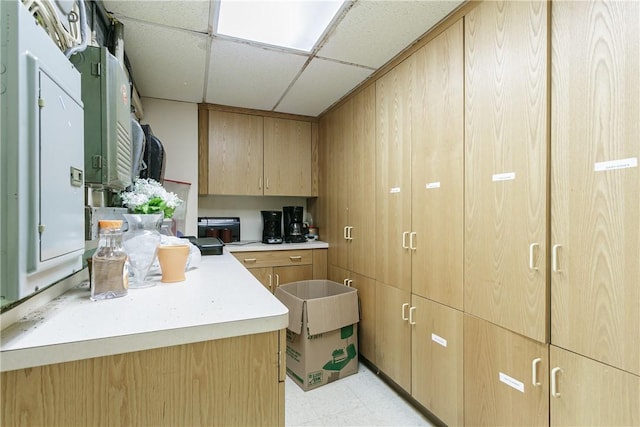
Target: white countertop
[258,246]
[220,299]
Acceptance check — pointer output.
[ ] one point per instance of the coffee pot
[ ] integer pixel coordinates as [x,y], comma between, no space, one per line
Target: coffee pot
[294,230]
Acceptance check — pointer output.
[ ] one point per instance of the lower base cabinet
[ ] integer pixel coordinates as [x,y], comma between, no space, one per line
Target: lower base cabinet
[275,268]
[367,300]
[235,381]
[393,334]
[437,359]
[505,377]
[585,392]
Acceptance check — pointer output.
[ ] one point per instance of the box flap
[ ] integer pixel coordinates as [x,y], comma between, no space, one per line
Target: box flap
[332,312]
[295,306]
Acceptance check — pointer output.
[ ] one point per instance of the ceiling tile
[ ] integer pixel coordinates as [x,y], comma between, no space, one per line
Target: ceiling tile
[166,63]
[192,15]
[249,76]
[374,31]
[321,84]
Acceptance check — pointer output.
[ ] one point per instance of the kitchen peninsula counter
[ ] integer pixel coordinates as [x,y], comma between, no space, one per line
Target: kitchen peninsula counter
[170,354]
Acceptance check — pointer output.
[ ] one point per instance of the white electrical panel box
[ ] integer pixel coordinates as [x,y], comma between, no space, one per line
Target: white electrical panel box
[42,159]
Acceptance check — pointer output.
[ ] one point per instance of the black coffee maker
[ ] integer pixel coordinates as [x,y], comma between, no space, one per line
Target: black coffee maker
[271,227]
[293,226]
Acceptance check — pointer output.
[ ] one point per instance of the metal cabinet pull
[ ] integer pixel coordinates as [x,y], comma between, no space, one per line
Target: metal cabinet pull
[412,237]
[345,232]
[350,282]
[349,236]
[411,311]
[532,247]
[404,240]
[249,260]
[554,382]
[260,184]
[295,258]
[270,284]
[277,280]
[534,371]
[267,184]
[345,282]
[404,311]
[554,258]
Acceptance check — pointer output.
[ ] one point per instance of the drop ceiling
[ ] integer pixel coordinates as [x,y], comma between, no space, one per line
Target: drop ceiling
[175,54]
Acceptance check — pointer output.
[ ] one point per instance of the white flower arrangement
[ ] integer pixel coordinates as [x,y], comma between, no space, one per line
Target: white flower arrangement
[148,196]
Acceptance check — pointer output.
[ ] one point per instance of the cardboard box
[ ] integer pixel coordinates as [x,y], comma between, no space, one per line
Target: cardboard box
[322,336]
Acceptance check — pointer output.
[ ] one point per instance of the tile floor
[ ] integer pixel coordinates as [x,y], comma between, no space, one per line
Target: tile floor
[361,399]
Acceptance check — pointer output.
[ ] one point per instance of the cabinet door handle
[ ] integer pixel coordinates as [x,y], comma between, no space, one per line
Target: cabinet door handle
[411,311]
[554,382]
[296,258]
[554,258]
[345,282]
[404,240]
[270,284]
[267,183]
[249,260]
[350,282]
[277,280]
[412,237]
[404,311]
[532,248]
[534,371]
[260,184]
[345,232]
[349,229]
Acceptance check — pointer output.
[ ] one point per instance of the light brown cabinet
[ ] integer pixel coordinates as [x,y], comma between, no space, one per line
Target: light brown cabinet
[275,268]
[506,139]
[585,392]
[505,377]
[367,297]
[349,169]
[287,157]
[249,154]
[595,181]
[437,359]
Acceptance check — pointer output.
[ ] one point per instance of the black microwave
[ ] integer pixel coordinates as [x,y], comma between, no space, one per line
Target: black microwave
[225,228]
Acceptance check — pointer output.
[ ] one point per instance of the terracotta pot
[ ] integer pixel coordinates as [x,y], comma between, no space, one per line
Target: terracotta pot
[173,260]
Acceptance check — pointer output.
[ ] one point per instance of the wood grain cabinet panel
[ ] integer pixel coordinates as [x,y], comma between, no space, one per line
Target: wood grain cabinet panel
[437,169]
[235,153]
[506,139]
[500,370]
[206,383]
[437,359]
[595,181]
[287,157]
[590,393]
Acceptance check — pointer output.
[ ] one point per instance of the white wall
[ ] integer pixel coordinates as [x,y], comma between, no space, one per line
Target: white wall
[176,126]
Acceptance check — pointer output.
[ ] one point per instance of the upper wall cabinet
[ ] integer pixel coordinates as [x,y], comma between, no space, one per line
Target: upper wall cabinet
[506,165]
[595,181]
[254,155]
[287,157]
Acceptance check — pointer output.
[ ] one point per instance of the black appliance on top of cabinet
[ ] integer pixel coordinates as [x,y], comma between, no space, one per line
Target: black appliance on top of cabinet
[225,228]
[293,226]
[271,227]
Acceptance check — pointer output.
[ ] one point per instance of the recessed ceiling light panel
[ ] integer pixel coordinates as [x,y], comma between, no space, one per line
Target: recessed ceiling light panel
[293,24]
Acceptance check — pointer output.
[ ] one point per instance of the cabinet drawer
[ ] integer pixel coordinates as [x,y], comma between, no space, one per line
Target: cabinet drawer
[274,258]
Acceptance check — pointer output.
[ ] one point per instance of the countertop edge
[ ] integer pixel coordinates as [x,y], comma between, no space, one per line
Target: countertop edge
[256,247]
[68,352]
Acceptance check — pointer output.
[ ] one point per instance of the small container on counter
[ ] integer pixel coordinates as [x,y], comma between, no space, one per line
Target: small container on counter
[108,272]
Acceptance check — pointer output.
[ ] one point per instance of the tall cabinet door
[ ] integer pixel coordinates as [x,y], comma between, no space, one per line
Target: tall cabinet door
[505,165]
[595,181]
[287,157]
[437,169]
[235,153]
[336,157]
[437,359]
[505,377]
[393,176]
[393,334]
[590,393]
[362,197]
